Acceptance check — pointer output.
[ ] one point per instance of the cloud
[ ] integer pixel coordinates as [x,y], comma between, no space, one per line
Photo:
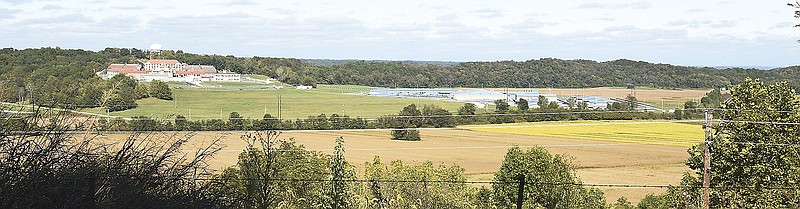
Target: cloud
[7,13]
[241,3]
[57,21]
[488,13]
[527,26]
[634,5]
[52,7]
[704,23]
[697,10]
[14,2]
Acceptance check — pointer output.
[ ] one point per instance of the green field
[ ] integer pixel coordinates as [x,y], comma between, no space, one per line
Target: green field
[643,132]
[218,99]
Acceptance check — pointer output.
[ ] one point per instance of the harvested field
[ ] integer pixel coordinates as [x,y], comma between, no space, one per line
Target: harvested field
[481,153]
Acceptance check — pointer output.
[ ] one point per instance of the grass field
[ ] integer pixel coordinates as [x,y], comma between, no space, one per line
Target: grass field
[644,132]
[217,100]
[481,153]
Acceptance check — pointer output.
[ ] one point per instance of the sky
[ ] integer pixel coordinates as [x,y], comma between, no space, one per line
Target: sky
[682,32]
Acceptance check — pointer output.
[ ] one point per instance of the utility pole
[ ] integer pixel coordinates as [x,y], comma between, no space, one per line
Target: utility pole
[520,190]
[707,160]
[279,106]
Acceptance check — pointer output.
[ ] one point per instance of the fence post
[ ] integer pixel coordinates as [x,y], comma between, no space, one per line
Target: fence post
[520,189]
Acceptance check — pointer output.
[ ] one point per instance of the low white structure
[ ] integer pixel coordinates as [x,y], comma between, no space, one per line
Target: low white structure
[227,77]
[478,95]
[302,87]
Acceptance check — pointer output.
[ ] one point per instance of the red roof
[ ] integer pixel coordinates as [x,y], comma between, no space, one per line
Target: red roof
[158,62]
[124,66]
[116,66]
[133,72]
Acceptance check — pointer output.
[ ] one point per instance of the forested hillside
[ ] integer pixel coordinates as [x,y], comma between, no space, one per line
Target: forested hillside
[23,70]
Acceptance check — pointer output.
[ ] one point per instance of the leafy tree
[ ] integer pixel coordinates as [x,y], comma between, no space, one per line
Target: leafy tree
[160,90]
[543,103]
[438,187]
[235,121]
[270,122]
[501,106]
[341,171]
[142,91]
[572,102]
[522,105]
[583,105]
[467,109]
[622,203]
[437,117]
[180,122]
[690,105]
[755,165]
[713,99]
[408,118]
[550,182]
[632,102]
[752,166]
[255,181]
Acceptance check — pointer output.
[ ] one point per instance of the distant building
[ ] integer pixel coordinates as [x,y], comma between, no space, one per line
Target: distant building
[302,87]
[478,95]
[169,70]
[164,67]
[413,92]
[114,69]
[227,77]
[200,72]
[593,102]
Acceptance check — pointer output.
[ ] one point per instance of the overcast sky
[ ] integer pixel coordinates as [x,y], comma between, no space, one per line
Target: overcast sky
[697,33]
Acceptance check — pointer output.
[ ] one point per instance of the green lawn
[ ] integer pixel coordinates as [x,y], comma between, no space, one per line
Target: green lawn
[213,101]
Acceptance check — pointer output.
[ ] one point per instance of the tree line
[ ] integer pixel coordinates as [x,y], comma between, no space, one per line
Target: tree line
[65,78]
[410,117]
[547,72]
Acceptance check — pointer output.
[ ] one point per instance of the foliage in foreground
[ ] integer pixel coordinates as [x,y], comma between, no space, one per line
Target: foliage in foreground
[754,156]
[42,165]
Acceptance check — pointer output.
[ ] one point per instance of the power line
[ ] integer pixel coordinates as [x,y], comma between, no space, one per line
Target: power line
[760,122]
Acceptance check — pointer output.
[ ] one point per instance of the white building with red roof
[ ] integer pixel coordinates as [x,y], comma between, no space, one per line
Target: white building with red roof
[169,70]
[115,69]
[163,67]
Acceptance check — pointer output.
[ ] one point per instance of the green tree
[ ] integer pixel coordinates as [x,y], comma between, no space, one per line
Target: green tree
[572,102]
[501,106]
[235,120]
[622,203]
[543,103]
[259,178]
[160,90]
[341,172]
[142,91]
[741,154]
[522,105]
[180,122]
[405,124]
[550,182]
[422,185]
[467,109]
[437,117]
[754,164]
[632,102]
